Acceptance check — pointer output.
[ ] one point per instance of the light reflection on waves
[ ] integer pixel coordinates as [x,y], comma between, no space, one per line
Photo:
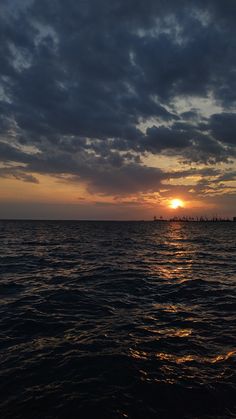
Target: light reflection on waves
[187,358]
[119,317]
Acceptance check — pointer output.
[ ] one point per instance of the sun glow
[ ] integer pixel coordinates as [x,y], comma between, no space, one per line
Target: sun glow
[176,203]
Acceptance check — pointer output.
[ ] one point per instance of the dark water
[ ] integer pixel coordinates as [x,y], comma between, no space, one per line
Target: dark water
[117,320]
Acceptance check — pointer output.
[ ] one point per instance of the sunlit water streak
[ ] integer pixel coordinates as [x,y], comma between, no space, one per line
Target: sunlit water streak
[117,320]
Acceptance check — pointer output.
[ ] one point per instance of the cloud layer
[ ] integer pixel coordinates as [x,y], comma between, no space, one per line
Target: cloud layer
[89,89]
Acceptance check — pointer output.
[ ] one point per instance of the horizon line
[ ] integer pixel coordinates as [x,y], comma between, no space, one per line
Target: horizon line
[173,219]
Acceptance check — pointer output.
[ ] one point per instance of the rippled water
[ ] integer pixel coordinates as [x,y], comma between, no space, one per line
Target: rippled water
[117,320]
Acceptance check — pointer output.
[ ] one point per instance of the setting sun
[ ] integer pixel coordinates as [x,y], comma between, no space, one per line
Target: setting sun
[176,203]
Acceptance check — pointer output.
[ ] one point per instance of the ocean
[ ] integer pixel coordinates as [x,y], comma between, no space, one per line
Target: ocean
[117,320]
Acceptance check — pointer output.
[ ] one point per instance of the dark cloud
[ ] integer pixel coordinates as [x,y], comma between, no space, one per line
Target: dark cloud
[223,127]
[162,138]
[93,86]
[17,173]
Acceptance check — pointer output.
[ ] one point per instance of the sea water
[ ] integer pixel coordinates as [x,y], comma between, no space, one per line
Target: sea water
[117,320]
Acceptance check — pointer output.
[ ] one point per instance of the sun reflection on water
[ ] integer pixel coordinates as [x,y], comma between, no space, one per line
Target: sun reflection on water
[175,255]
[195,358]
[164,356]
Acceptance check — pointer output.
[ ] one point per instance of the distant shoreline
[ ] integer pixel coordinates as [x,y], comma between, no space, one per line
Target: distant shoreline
[171,220]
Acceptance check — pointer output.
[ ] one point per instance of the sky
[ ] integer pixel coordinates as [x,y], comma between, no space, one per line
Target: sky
[112,109]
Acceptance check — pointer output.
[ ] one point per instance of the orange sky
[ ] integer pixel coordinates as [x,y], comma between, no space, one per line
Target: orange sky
[52,198]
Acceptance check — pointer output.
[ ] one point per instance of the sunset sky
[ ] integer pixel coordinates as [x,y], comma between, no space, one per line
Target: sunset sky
[112,109]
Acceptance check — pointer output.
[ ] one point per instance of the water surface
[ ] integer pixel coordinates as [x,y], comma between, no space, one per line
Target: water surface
[117,320]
